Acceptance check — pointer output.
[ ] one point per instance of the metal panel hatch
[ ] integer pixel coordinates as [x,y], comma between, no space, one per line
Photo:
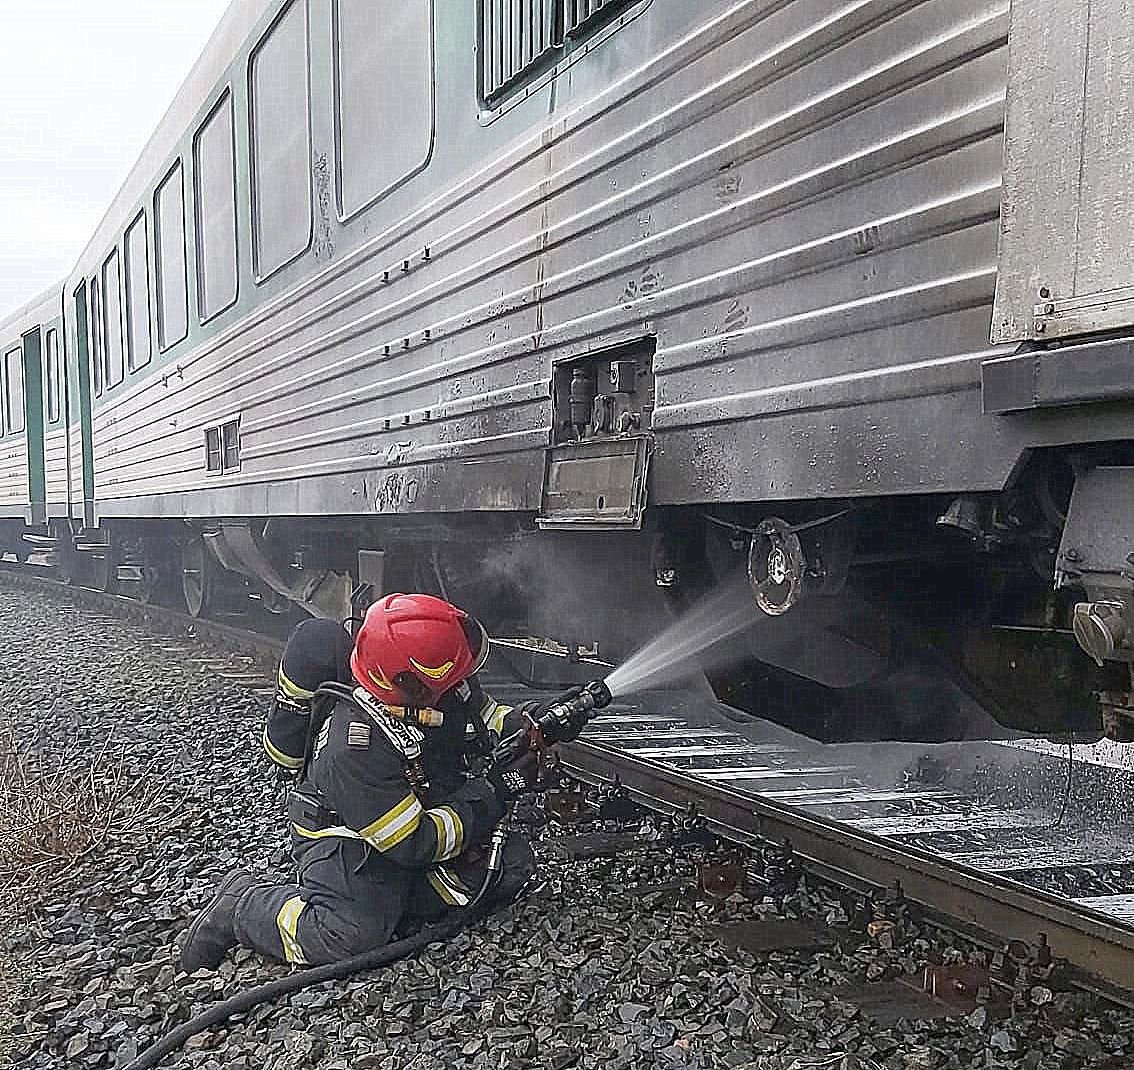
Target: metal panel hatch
[597,485]
[1066,264]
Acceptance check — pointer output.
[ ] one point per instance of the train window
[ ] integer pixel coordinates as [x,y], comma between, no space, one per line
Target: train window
[281,142]
[214,169]
[138,342]
[112,319]
[222,447]
[14,389]
[213,449]
[96,338]
[520,38]
[172,284]
[230,440]
[54,376]
[383,95]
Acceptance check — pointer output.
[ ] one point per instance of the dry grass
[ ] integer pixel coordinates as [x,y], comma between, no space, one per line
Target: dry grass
[58,813]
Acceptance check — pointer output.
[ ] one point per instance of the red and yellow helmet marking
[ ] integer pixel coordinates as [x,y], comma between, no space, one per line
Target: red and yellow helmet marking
[380,680]
[438,673]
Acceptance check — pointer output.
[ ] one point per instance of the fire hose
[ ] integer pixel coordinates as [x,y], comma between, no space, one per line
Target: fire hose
[558,722]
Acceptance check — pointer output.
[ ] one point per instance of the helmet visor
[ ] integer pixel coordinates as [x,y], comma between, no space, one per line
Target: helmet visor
[478,641]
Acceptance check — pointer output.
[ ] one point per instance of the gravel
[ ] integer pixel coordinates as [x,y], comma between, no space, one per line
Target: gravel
[603,965]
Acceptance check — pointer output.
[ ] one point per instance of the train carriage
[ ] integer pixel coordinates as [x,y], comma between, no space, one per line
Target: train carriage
[576,309]
[33,471]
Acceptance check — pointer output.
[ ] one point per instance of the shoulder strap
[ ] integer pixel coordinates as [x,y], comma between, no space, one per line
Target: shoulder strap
[323,703]
[404,737]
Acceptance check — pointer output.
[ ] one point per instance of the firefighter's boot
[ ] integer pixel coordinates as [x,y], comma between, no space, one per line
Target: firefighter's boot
[211,935]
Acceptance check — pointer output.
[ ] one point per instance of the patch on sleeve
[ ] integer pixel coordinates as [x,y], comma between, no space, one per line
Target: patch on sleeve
[358,734]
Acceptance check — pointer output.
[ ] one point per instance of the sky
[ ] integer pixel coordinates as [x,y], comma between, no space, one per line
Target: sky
[84,85]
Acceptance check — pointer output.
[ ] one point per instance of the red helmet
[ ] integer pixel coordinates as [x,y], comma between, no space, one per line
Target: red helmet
[412,648]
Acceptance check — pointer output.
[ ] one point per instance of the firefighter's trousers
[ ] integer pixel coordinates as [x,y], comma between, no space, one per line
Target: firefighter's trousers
[348,899]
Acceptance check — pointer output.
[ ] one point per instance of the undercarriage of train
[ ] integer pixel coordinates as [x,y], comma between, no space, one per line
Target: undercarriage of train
[927,618]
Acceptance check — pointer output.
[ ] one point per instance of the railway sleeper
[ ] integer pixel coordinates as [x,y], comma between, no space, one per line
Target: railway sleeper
[985,984]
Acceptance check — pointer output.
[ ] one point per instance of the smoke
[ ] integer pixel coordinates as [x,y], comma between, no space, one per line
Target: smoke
[596,589]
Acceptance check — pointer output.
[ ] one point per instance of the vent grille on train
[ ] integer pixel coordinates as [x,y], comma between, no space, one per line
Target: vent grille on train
[516,35]
[520,38]
[579,12]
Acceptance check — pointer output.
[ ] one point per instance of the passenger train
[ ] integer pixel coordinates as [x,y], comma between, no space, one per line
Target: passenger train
[578,310]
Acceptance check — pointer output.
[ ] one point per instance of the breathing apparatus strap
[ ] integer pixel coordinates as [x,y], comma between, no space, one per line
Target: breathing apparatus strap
[322,703]
[403,735]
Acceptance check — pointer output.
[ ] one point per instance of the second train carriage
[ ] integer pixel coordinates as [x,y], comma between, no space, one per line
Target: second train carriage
[572,309]
[33,423]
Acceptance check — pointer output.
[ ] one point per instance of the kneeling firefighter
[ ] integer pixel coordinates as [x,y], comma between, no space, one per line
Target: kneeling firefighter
[386,821]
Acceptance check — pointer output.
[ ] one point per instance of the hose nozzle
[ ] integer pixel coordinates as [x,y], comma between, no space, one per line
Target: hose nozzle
[563,719]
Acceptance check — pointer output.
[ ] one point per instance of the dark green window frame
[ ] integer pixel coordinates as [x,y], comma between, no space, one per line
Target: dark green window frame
[54,369]
[14,387]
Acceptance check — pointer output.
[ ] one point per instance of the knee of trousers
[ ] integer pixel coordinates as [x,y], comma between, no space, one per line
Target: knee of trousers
[286,923]
[519,865]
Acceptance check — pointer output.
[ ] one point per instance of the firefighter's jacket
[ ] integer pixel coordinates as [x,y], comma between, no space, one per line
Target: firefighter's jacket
[366,781]
[356,787]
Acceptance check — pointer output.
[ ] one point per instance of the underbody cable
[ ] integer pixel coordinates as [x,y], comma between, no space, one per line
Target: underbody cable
[1066,787]
[806,525]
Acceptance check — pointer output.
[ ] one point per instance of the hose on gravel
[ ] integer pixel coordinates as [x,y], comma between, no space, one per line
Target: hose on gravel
[335,971]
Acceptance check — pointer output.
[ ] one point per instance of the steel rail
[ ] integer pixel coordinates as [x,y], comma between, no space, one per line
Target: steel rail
[990,908]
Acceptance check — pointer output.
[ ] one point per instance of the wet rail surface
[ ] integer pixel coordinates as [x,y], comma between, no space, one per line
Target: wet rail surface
[1007,839]
[905,793]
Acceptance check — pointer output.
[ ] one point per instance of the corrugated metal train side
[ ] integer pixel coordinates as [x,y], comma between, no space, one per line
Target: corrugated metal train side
[801,205]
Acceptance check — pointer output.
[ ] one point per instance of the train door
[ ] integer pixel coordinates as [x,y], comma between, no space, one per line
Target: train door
[79,412]
[31,388]
[13,463]
[56,479]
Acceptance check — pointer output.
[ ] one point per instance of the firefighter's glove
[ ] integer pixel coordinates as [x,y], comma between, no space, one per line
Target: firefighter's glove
[514,775]
[577,719]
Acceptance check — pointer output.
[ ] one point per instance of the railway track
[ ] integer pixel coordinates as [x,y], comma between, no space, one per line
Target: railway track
[991,839]
[863,819]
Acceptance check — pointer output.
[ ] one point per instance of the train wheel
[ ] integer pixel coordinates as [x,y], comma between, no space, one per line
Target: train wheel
[151,585]
[150,570]
[104,567]
[67,562]
[198,572]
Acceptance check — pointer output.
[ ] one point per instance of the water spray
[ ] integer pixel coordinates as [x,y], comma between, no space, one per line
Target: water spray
[664,658]
[563,719]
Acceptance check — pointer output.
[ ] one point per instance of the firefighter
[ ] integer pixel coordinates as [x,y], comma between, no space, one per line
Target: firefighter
[385,823]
